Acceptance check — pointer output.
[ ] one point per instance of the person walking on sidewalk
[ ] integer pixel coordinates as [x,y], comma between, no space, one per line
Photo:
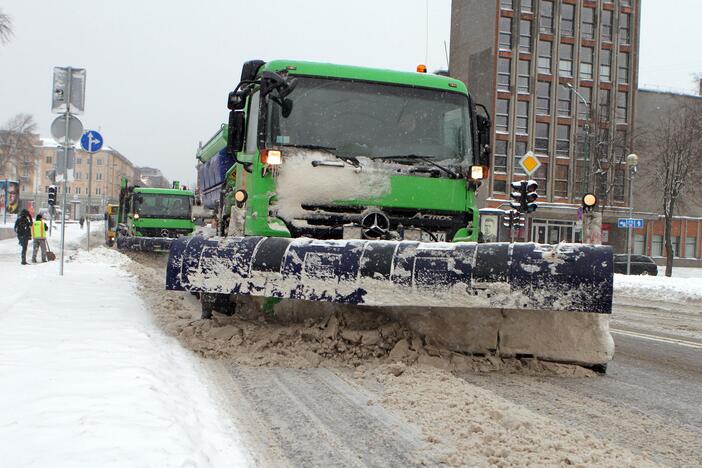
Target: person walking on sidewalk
[23,229]
[39,235]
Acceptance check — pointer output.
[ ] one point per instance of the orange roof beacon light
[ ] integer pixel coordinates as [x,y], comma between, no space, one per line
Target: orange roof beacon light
[421,68]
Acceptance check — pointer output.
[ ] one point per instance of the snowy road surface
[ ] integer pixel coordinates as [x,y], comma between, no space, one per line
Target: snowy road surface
[88,379]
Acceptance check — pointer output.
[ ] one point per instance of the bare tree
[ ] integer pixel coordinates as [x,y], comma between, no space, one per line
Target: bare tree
[5,28]
[676,141]
[17,145]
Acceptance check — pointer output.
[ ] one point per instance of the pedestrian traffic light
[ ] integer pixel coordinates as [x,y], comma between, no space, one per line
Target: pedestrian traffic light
[52,195]
[513,219]
[524,196]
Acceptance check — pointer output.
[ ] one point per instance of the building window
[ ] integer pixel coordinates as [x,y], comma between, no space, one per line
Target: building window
[586,54]
[525,36]
[623,74]
[520,149]
[502,115]
[79,160]
[675,240]
[605,105]
[540,177]
[656,246]
[68,189]
[97,190]
[78,190]
[690,247]
[541,141]
[583,109]
[588,29]
[98,176]
[567,19]
[563,140]
[523,76]
[606,30]
[505,33]
[100,162]
[544,63]
[622,101]
[499,186]
[522,123]
[624,29]
[48,160]
[565,101]
[639,244]
[546,18]
[500,156]
[527,6]
[618,189]
[77,175]
[507,4]
[504,74]
[605,65]
[565,63]
[543,98]
[560,186]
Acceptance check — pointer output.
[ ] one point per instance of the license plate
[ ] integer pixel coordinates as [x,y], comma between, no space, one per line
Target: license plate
[438,237]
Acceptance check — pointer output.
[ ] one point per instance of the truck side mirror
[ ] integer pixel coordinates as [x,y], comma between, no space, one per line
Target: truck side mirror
[235,132]
[484,124]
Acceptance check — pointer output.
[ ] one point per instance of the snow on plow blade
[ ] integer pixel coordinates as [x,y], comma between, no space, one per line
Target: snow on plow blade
[565,277]
[144,244]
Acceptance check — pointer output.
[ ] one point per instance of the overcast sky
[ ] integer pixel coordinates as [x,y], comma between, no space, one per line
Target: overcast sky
[158,71]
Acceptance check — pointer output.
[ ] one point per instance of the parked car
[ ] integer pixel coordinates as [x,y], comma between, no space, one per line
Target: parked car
[640,265]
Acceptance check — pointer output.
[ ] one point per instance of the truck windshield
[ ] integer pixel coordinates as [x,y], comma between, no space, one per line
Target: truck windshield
[358,118]
[163,206]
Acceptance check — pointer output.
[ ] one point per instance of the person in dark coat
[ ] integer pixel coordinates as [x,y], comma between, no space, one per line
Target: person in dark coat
[23,229]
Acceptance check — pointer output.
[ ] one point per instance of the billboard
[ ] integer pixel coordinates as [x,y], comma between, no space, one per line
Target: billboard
[9,196]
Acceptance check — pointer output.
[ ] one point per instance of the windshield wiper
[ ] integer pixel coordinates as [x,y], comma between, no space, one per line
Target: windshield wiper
[331,150]
[426,159]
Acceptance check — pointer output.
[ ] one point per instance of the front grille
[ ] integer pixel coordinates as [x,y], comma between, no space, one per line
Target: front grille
[327,221]
[158,232]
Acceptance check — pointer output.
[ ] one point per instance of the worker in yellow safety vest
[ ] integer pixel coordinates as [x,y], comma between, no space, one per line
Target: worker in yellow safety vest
[39,228]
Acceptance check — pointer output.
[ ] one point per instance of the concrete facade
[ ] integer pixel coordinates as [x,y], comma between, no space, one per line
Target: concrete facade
[518,58]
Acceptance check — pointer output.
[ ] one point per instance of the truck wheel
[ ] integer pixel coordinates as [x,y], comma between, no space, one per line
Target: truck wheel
[210,302]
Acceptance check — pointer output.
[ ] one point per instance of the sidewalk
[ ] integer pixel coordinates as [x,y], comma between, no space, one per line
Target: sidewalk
[87,378]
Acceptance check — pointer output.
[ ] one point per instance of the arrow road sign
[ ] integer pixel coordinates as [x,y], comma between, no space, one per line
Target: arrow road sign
[91,141]
[635,223]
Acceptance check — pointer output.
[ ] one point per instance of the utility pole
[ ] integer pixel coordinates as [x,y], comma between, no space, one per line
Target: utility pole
[586,145]
[631,161]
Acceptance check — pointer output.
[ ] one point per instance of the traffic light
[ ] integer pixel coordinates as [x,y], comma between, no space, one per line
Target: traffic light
[513,219]
[524,196]
[52,195]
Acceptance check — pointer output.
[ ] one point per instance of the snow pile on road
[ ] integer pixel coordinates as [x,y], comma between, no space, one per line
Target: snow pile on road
[658,288]
[299,334]
[481,429]
[88,379]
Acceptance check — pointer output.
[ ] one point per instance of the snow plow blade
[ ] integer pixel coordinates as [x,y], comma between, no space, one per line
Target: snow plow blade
[144,244]
[564,277]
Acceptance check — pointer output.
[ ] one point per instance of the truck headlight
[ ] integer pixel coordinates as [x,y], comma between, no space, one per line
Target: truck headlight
[272,157]
[478,172]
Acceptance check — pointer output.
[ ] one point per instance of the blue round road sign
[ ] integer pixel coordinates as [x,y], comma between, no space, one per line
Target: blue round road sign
[91,141]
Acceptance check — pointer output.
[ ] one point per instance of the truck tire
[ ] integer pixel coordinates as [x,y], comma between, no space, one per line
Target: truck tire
[210,302]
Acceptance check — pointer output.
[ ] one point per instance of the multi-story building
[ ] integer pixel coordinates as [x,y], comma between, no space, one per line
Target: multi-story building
[558,77]
[108,167]
[152,177]
[652,108]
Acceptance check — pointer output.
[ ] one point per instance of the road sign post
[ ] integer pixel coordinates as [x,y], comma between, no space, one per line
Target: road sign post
[68,96]
[91,141]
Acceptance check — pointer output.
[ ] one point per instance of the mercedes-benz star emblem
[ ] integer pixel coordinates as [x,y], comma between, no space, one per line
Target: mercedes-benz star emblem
[375,225]
[164,232]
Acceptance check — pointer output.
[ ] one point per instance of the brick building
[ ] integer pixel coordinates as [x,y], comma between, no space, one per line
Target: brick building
[558,78]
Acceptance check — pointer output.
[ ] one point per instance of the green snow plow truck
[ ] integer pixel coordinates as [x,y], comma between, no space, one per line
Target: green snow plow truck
[150,219]
[358,186]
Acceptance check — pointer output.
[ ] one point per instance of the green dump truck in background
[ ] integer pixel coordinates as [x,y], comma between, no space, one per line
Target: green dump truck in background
[149,219]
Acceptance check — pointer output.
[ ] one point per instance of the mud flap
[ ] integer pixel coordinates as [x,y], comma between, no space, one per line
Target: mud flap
[564,277]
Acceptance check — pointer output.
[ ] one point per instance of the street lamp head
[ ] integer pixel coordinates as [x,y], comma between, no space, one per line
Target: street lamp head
[632,160]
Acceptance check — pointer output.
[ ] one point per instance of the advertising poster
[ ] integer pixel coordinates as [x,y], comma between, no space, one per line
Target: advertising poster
[12,199]
[3,194]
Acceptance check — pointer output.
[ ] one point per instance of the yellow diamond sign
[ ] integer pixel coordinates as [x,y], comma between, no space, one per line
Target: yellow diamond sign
[530,163]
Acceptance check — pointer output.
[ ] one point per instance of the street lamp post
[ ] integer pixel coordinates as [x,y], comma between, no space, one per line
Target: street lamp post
[631,161]
[586,146]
